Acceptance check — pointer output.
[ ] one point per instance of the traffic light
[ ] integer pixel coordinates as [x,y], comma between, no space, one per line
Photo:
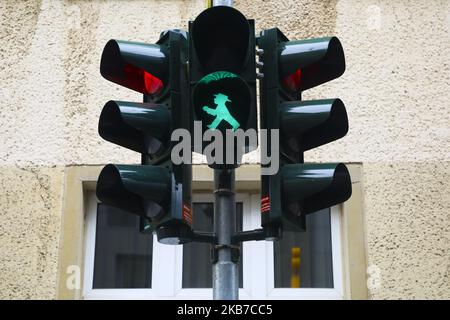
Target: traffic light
[158,190]
[223,77]
[299,188]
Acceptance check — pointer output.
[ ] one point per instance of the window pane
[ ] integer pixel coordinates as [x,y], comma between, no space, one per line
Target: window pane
[123,255]
[314,245]
[197,268]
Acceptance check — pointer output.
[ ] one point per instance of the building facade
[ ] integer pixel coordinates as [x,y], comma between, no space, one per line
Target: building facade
[391,240]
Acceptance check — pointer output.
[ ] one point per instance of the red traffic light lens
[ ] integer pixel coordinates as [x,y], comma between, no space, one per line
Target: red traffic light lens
[293,81]
[153,85]
[142,81]
[296,81]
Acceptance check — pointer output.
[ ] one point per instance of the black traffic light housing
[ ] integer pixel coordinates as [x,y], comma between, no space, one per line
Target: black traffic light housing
[298,189]
[157,190]
[222,72]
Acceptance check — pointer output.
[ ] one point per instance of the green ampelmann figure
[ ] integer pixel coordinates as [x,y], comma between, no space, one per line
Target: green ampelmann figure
[221,112]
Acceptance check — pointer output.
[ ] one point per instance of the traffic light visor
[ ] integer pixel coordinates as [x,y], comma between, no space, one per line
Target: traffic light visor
[305,64]
[307,188]
[142,190]
[310,124]
[221,39]
[137,66]
[142,127]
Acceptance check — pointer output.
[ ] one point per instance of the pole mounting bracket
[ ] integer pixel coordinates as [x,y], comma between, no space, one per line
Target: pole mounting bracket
[235,252]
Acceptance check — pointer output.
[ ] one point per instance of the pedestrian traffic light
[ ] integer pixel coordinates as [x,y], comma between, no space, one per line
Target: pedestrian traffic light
[299,188]
[223,76]
[158,190]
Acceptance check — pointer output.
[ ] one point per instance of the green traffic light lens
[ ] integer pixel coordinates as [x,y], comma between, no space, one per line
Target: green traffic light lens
[222,101]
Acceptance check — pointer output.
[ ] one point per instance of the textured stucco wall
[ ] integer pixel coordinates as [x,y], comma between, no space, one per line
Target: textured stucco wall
[396,90]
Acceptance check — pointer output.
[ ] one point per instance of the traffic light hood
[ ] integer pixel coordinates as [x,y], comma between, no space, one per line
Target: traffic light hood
[310,124]
[138,66]
[221,39]
[142,190]
[142,127]
[308,63]
[307,188]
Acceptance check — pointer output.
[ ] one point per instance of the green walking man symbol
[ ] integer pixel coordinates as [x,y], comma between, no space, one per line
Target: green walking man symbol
[221,112]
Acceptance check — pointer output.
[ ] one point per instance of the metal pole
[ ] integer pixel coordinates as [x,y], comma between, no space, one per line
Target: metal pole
[223,3]
[225,271]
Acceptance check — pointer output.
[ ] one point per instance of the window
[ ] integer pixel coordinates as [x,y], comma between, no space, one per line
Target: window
[119,261]
[123,257]
[122,263]
[320,271]
[311,250]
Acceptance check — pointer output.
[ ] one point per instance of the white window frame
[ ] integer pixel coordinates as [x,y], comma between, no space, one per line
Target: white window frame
[258,263]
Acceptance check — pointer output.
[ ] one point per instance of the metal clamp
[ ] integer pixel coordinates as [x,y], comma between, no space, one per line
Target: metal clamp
[235,252]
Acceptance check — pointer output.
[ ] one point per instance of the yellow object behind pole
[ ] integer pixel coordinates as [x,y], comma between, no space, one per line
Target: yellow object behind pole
[209,3]
[295,263]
